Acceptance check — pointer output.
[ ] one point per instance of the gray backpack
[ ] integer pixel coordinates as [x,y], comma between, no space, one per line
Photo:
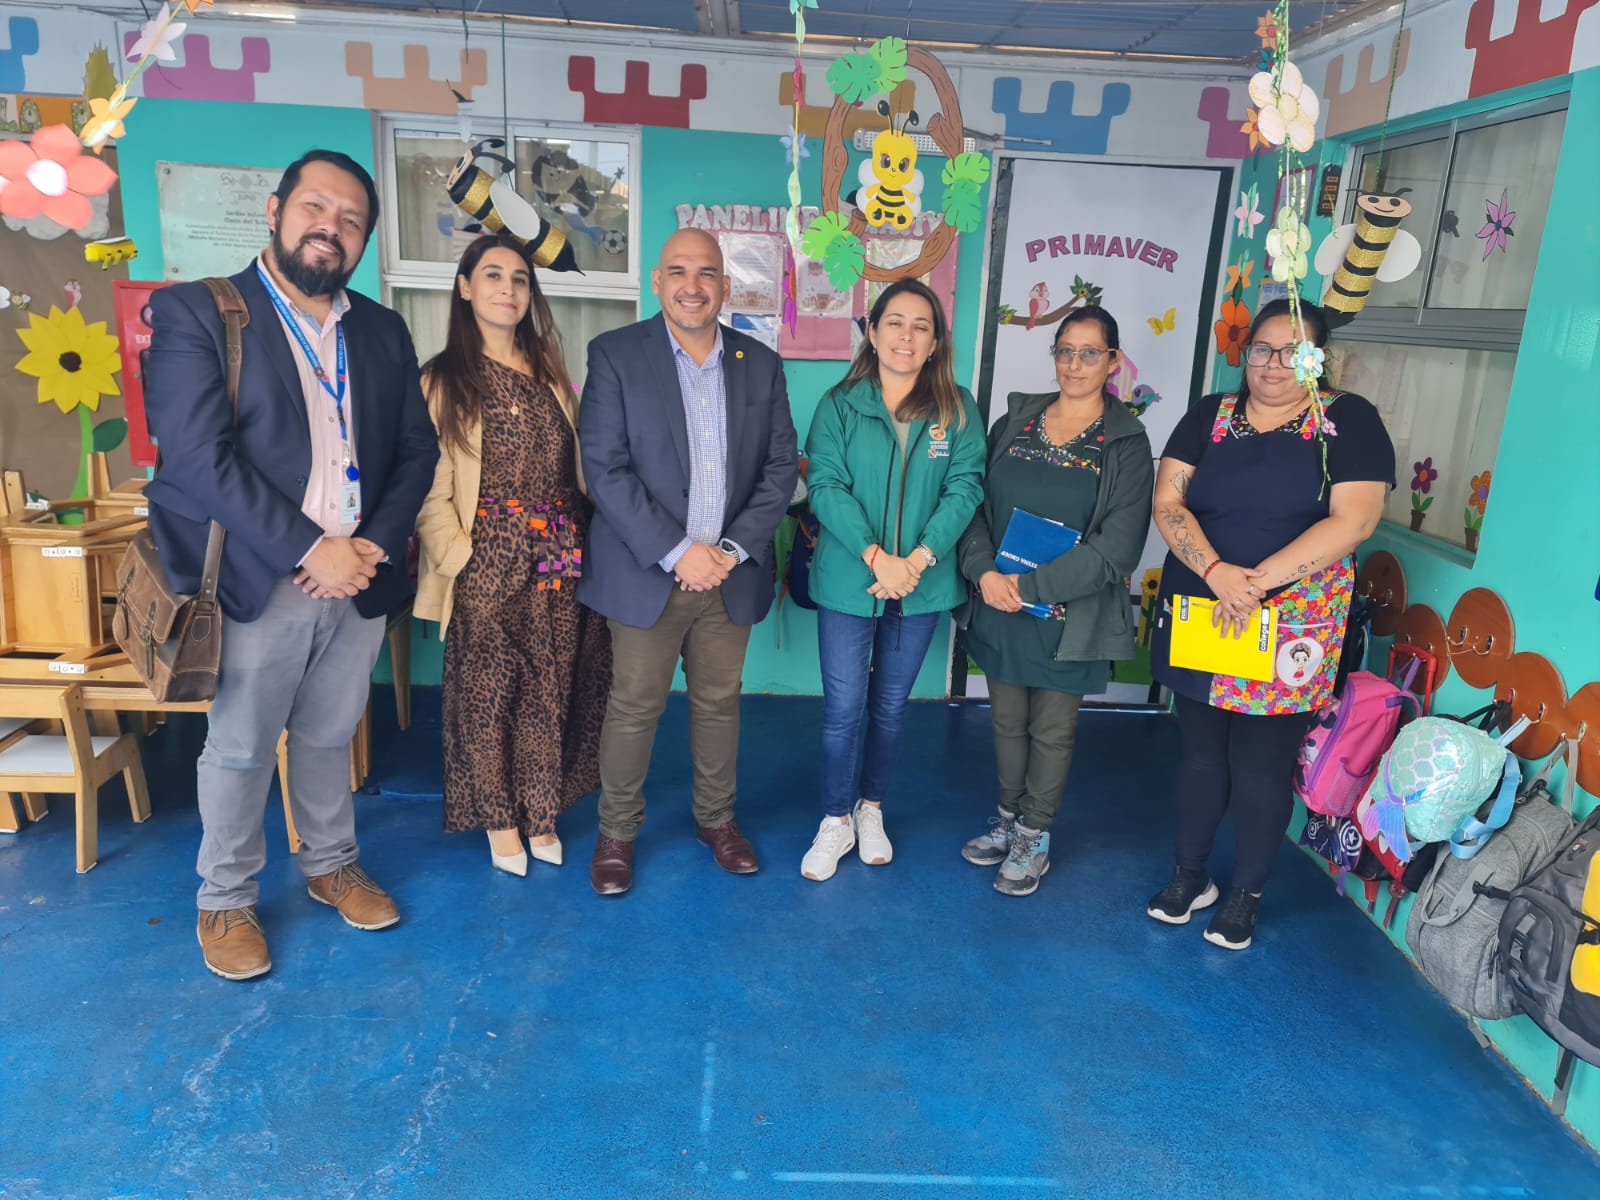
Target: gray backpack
[1454,926]
[1545,923]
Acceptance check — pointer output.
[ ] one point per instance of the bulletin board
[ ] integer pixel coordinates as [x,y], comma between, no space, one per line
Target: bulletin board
[829,323]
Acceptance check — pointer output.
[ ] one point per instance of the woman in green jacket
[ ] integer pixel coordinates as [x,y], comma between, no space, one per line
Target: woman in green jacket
[895,474]
[1047,638]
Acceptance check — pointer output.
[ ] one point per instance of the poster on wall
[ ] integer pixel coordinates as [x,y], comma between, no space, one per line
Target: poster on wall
[211,217]
[1141,242]
[131,303]
[828,322]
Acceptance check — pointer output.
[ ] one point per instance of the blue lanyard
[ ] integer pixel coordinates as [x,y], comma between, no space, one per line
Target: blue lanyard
[293,322]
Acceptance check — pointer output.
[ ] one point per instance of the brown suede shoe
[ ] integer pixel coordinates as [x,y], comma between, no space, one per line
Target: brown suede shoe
[611,868]
[360,902]
[233,943]
[732,849]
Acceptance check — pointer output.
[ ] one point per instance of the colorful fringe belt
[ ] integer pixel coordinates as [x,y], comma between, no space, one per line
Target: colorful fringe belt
[560,552]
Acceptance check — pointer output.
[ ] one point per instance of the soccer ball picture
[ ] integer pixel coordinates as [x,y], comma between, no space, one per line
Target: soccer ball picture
[614,242]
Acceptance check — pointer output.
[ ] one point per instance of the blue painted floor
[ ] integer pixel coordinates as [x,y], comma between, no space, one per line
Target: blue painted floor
[893,1032]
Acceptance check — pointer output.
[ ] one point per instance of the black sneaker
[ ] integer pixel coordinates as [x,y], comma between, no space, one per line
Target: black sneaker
[1186,893]
[1235,923]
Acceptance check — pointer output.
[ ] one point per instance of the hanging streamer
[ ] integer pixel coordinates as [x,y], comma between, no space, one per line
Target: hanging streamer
[792,222]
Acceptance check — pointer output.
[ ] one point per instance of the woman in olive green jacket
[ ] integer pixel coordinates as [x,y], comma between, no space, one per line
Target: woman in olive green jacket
[895,474]
[1046,638]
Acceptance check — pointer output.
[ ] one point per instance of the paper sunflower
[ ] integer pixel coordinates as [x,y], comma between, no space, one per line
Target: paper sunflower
[74,362]
[1288,108]
[50,176]
[1288,243]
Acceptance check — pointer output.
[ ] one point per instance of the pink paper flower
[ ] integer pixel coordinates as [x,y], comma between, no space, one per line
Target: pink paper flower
[51,176]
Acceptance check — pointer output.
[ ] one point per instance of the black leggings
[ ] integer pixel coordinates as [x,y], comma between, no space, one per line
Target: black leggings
[1243,763]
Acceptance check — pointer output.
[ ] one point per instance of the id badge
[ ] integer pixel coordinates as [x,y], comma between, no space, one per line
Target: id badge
[350,502]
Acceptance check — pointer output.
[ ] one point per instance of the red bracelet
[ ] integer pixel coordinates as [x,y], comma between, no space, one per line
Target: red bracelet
[1206,574]
[874,557]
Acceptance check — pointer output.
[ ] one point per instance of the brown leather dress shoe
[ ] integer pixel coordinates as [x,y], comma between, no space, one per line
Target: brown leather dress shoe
[611,868]
[732,849]
[233,943]
[362,903]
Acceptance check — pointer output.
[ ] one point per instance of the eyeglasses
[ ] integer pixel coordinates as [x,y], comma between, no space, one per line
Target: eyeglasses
[1259,354]
[1089,357]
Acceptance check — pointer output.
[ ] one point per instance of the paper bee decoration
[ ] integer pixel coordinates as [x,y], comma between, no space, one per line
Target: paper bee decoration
[110,251]
[494,204]
[1374,247]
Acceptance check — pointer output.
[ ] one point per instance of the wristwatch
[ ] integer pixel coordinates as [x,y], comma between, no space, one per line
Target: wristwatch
[929,555]
[731,550]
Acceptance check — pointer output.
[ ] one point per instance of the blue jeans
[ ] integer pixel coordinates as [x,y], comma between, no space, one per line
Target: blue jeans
[868,665]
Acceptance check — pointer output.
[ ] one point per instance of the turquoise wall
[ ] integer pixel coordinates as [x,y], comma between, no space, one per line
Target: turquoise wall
[267,136]
[1540,545]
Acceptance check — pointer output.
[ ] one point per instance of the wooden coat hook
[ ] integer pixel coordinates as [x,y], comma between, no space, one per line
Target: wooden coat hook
[1534,688]
[1420,626]
[1383,581]
[1481,636]
[1583,723]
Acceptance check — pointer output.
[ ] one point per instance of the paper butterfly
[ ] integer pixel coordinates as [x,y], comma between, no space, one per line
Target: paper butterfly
[1166,321]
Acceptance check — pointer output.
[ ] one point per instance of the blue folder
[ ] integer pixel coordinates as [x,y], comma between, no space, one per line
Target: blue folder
[1030,542]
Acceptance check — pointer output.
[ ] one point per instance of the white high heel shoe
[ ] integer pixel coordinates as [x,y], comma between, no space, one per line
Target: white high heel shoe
[550,854]
[511,864]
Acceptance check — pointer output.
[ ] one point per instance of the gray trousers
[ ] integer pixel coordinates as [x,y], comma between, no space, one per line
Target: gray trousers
[304,665]
[695,626]
[1034,733]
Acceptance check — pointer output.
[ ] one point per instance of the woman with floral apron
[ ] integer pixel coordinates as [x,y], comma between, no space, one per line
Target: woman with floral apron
[1262,498]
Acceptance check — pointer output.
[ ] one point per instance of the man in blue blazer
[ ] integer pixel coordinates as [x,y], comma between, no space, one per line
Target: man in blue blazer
[317,482]
[689,454]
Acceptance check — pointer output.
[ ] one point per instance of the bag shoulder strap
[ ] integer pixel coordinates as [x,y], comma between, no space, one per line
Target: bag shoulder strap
[235,316]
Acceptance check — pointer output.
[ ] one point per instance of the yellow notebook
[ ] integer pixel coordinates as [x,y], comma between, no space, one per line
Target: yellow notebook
[1197,644]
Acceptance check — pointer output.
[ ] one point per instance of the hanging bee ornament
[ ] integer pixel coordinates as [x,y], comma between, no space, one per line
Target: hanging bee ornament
[891,185]
[493,202]
[1373,247]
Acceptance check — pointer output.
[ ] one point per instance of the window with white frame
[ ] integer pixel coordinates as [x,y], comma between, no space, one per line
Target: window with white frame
[1435,351]
[581,180]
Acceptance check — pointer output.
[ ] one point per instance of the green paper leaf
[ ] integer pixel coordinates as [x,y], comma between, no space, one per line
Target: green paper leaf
[844,260]
[1425,505]
[821,234]
[855,77]
[961,206]
[108,435]
[1004,313]
[890,55]
[966,168]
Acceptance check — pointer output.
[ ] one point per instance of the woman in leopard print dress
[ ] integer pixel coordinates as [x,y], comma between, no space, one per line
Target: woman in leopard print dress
[526,668]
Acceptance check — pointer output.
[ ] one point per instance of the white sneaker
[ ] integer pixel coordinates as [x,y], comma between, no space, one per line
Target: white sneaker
[835,838]
[872,844]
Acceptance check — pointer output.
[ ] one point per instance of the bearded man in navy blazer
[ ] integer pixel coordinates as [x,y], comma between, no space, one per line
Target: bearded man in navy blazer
[317,483]
[689,453]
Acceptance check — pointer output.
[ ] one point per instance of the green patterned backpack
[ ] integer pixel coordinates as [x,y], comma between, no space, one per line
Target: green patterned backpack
[1434,781]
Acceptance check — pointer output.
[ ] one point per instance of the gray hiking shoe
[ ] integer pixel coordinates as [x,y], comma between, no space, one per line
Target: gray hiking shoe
[990,848]
[1027,862]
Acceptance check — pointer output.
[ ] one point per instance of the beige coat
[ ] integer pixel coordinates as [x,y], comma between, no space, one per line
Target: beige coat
[444,525]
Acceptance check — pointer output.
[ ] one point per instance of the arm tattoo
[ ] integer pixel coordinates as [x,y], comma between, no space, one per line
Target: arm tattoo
[1183,543]
[1299,572]
[1180,482]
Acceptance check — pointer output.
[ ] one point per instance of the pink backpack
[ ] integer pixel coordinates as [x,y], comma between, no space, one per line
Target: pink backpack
[1342,750]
